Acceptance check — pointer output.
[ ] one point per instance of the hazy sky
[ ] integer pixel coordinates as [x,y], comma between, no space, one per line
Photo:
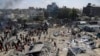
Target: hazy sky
[60,3]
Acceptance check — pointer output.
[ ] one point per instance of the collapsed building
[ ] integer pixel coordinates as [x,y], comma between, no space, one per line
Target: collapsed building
[84,46]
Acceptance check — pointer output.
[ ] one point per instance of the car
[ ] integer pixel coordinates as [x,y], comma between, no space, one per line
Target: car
[98,35]
[88,29]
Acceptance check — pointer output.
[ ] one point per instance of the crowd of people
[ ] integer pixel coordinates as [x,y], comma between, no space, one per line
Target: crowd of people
[20,40]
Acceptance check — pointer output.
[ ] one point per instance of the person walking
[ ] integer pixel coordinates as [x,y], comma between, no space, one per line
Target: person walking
[55,45]
[6,48]
[1,45]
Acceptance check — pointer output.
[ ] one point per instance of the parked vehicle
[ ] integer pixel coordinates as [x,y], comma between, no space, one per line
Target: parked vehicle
[98,35]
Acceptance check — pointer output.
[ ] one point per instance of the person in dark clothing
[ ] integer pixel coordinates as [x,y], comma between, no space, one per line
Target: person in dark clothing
[13,44]
[1,46]
[16,36]
[26,40]
[46,28]
[2,39]
[6,48]
[55,44]
[16,46]
[18,42]
[5,33]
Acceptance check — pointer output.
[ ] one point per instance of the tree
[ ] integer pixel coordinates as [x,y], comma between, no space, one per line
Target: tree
[39,18]
[63,13]
[46,14]
[74,14]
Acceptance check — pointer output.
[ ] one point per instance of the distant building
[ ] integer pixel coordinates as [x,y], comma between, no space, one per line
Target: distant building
[52,9]
[31,12]
[91,10]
